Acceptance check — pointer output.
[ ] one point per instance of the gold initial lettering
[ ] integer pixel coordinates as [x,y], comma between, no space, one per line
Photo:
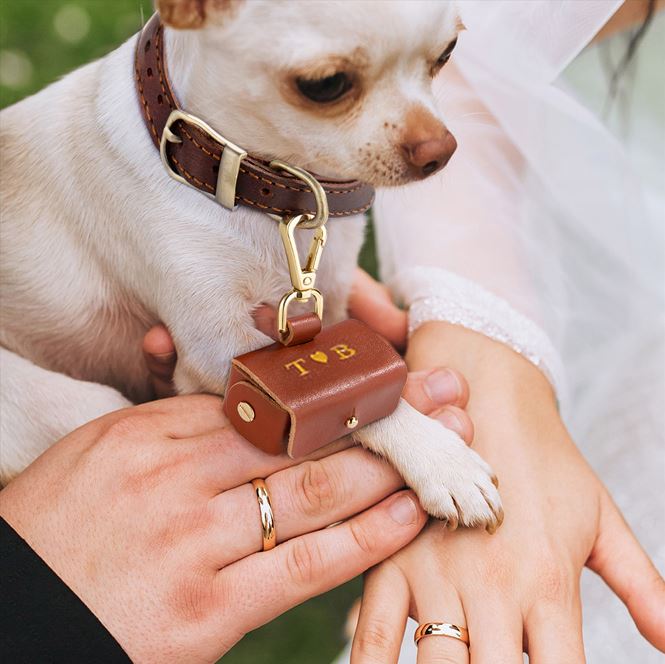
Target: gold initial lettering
[298,365]
[343,351]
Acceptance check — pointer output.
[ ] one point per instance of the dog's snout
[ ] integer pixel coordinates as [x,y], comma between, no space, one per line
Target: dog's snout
[431,155]
[426,144]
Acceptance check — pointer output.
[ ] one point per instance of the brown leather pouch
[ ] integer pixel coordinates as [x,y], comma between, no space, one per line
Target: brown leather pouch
[298,398]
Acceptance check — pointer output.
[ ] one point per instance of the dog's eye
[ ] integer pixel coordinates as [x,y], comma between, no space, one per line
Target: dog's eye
[444,57]
[325,90]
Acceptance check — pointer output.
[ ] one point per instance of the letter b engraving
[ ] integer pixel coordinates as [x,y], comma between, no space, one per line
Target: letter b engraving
[344,352]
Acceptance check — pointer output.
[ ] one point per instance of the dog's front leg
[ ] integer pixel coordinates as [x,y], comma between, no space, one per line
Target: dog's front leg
[206,342]
[452,482]
[39,407]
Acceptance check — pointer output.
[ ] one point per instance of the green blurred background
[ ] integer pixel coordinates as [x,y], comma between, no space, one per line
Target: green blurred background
[41,40]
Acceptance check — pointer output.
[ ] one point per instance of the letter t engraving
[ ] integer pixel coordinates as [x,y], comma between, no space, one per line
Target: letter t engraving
[298,364]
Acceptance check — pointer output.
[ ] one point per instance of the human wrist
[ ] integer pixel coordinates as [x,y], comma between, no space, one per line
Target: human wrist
[505,386]
[434,294]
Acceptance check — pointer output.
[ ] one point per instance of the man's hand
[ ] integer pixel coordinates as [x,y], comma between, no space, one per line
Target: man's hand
[147,514]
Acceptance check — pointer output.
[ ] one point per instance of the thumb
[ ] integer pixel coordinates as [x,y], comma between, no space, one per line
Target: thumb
[371,303]
[626,568]
[160,357]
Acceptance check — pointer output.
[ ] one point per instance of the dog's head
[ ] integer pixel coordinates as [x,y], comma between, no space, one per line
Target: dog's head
[342,88]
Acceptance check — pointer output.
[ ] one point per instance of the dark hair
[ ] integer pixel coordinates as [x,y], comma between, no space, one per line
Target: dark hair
[630,52]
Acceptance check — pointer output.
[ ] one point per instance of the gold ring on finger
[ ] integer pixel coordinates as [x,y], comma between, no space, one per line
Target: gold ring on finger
[441,629]
[267,517]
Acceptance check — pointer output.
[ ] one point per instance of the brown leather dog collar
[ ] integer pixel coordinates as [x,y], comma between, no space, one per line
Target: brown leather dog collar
[195,155]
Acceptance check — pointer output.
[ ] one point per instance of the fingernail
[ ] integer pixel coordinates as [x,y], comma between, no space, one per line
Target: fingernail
[164,358]
[403,510]
[450,420]
[442,386]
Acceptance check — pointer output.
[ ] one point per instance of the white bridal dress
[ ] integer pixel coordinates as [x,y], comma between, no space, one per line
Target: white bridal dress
[546,231]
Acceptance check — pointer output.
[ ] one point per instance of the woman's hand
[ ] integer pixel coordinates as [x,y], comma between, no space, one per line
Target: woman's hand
[147,514]
[519,589]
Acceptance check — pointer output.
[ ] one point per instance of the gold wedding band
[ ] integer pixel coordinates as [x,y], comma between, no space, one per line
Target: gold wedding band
[441,629]
[267,517]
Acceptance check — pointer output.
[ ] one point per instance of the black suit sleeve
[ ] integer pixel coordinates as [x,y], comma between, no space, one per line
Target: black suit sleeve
[41,620]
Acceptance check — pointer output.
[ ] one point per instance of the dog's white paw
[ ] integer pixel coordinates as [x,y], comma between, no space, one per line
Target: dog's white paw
[453,483]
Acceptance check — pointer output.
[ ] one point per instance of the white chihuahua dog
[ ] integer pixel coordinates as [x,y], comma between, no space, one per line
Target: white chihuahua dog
[99,244]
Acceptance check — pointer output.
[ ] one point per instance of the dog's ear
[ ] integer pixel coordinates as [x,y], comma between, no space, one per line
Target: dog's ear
[193,14]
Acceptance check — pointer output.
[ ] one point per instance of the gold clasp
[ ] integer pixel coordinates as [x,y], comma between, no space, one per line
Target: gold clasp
[303,277]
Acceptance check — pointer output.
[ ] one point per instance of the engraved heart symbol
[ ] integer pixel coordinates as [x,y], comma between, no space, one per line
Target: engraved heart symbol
[319,356]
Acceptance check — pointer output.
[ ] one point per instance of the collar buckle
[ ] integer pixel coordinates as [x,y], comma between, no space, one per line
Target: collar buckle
[229,165]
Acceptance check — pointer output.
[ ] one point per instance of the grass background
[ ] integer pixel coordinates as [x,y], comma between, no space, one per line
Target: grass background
[41,40]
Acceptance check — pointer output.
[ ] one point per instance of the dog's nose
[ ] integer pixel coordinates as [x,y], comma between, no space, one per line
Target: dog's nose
[431,155]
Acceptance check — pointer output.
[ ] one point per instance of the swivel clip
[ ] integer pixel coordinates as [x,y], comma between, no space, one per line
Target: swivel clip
[303,276]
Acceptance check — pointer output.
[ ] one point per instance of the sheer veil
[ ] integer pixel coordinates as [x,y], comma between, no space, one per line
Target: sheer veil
[541,204]
[545,207]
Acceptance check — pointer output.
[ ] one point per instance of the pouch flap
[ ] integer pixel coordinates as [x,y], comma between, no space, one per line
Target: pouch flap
[268,427]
